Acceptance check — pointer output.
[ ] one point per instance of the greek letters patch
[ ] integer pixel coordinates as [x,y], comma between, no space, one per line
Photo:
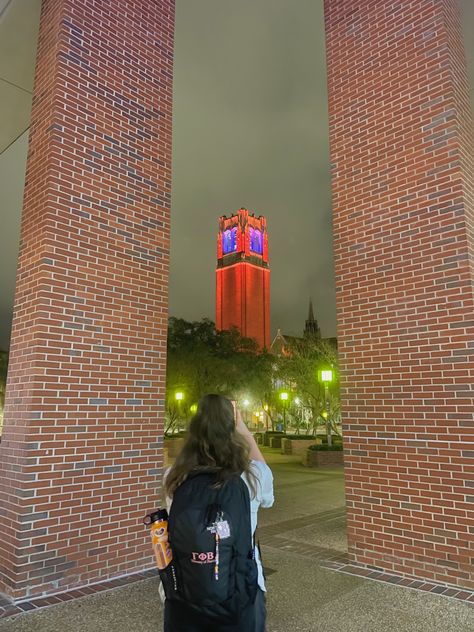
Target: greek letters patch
[203,558]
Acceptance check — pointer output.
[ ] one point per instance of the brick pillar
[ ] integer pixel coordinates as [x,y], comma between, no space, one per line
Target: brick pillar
[401,154]
[81,452]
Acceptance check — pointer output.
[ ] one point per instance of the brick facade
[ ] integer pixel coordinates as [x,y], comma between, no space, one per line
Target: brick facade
[243,279]
[82,445]
[401,154]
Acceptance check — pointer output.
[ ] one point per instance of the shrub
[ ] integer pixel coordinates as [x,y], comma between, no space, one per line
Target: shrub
[335,447]
[301,436]
[335,439]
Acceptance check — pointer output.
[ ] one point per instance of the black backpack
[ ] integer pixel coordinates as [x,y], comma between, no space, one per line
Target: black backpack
[213,572]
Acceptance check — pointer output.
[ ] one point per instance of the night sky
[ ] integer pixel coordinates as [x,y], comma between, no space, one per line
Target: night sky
[251,129]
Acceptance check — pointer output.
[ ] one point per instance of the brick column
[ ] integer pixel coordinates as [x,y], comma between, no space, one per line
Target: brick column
[401,153]
[81,453]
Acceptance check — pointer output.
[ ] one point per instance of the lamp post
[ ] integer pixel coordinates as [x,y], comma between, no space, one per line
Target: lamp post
[179,396]
[300,406]
[246,404]
[326,376]
[284,398]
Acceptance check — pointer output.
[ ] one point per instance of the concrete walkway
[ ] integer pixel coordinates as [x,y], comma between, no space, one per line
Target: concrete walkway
[306,523]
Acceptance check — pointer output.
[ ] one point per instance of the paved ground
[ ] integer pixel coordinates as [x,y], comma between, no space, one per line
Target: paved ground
[306,524]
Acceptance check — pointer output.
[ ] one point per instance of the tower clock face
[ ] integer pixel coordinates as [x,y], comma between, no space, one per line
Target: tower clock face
[256,241]
[229,240]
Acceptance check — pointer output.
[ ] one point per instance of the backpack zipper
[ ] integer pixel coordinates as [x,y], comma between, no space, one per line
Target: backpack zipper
[175,583]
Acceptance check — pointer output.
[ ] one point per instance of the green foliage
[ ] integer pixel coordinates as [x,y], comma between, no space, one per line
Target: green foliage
[298,368]
[335,439]
[203,360]
[324,447]
[304,437]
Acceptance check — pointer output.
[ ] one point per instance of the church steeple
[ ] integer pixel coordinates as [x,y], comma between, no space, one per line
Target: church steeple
[311,327]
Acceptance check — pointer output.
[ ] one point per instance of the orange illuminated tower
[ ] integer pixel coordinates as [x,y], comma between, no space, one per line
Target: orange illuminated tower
[243,276]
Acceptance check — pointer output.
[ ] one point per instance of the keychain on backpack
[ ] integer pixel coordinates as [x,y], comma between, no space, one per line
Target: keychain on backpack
[216,558]
[221,530]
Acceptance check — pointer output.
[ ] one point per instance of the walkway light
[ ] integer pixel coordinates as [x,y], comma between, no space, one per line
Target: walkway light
[284,398]
[246,404]
[326,375]
[179,396]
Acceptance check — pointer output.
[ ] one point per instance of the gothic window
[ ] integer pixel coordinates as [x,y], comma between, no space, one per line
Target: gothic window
[229,240]
[256,244]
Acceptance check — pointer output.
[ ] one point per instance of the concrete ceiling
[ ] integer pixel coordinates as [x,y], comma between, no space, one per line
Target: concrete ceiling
[19,20]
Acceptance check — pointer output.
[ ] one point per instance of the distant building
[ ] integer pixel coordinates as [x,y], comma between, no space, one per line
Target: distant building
[281,341]
[243,276]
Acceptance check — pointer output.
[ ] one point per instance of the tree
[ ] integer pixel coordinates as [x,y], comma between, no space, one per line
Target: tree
[203,360]
[298,368]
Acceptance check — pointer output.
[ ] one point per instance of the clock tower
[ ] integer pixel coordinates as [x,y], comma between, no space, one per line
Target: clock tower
[243,276]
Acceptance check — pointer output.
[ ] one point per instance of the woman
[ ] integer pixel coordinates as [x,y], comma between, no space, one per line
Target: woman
[219,440]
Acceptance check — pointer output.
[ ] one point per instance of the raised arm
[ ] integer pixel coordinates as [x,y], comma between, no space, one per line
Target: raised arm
[255,453]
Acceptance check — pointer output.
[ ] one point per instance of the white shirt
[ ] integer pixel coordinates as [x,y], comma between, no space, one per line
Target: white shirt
[264,498]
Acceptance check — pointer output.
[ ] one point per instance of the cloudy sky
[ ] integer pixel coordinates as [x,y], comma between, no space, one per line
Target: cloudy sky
[251,129]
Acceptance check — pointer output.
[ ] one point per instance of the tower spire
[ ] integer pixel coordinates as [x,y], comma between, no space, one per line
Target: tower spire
[311,326]
[311,314]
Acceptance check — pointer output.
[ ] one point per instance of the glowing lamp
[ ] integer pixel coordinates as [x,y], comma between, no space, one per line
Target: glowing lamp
[326,375]
[179,396]
[284,396]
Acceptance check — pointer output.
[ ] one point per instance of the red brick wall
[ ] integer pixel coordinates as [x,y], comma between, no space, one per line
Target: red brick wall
[81,452]
[243,279]
[243,301]
[401,154]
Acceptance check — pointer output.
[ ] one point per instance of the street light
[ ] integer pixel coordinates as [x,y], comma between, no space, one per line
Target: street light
[299,403]
[265,408]
[326,377]
[179,396]
[284,398]
[246,404]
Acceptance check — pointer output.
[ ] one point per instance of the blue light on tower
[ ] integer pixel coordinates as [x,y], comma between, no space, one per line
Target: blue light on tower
[229,240]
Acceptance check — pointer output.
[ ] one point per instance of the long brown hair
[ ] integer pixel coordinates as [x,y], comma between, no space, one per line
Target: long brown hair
[213,444]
